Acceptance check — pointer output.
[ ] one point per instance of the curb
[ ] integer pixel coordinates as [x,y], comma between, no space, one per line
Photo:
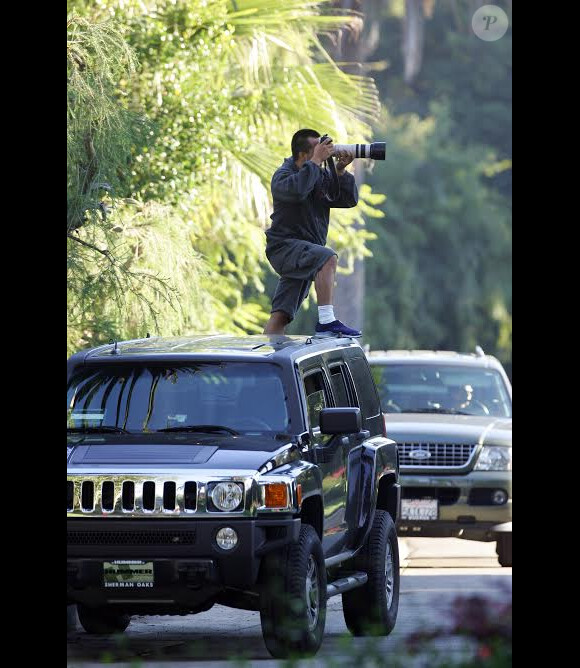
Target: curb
[403,549]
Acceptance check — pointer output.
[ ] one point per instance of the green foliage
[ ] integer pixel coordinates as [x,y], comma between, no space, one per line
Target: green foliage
[100,132]
[179,112]
[471,76]
[101,136]
[440,272]
[440,275]
[223,87]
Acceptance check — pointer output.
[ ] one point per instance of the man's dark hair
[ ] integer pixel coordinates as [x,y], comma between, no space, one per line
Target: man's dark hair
[300,141]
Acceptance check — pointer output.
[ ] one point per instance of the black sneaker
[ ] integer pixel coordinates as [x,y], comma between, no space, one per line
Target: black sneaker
[336,328]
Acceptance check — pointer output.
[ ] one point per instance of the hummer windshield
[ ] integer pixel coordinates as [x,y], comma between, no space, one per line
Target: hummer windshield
[431,388]
[226,398]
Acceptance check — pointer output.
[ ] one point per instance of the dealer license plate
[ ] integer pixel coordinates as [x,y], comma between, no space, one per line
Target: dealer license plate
[128,574]
[419,509]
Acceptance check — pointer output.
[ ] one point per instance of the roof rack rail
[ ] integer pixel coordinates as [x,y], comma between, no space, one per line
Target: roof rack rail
[323,339]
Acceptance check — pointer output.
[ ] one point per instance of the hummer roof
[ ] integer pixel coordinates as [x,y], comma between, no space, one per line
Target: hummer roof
[225,347]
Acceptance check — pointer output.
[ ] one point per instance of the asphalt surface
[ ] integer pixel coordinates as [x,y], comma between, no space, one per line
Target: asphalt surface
[435,571]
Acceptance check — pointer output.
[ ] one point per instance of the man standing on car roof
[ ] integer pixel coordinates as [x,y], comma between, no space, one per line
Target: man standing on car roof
[302,191]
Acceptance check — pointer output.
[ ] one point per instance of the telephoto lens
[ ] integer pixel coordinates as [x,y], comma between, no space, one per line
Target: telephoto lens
[374,151]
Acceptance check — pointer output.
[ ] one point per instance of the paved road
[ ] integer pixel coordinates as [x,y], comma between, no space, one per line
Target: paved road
[434,572]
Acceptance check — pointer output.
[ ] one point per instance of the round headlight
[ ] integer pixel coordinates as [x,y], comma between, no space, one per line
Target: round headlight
[226,538]
[227,496]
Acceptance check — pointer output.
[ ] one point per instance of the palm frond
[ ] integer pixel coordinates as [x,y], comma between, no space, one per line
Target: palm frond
[224,85]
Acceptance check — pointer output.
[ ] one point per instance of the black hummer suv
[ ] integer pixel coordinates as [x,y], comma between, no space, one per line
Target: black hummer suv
[252,472]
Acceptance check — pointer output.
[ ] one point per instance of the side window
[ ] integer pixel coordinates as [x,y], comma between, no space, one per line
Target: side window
[316,398]
[365,387]
[341,386]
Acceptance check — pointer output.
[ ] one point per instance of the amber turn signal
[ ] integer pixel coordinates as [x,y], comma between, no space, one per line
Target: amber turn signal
[276,495]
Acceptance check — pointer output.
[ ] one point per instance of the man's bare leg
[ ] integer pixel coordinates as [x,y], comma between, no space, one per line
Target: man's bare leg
[328,323]
[277,323]
[324,282]
[324,286]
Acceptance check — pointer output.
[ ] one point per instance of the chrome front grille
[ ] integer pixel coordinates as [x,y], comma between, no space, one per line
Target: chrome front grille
[100,495]
[436,455]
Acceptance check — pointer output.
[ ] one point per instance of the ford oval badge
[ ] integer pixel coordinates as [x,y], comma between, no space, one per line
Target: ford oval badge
[419,454]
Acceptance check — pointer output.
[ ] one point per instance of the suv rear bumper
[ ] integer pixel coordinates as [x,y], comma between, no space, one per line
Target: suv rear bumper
[189,567]
[461,513]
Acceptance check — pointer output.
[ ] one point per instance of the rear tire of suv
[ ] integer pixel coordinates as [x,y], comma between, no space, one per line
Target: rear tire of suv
[504,549]
[293,597]
[372,610]
[102,621]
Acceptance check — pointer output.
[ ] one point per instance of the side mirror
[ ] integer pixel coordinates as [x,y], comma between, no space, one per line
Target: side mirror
[340,421]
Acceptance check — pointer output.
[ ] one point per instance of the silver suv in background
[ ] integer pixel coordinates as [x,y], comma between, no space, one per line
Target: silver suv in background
[451,416]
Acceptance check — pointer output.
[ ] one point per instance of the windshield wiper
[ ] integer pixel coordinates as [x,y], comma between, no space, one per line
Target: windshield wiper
[96,430]
[202,428]
[442,411]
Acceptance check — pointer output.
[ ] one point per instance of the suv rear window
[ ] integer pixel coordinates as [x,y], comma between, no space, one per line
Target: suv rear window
[145,398]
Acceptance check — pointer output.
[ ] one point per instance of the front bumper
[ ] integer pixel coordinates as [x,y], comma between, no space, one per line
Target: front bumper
[189,567]
[459,515]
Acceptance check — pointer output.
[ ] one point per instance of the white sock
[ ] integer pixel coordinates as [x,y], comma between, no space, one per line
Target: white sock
[326,314]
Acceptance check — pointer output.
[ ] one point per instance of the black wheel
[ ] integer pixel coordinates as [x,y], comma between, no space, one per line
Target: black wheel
[293,597]
[102,621]
[504,549]
[373,609]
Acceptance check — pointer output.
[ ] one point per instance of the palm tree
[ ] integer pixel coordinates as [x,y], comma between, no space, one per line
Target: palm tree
[223,86]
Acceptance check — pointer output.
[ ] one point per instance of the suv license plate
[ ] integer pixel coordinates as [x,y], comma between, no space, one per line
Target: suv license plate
[419,509]
[128,574]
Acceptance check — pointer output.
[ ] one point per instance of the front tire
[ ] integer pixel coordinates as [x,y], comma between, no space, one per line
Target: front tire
[504,549]
[293,598]
[102,621]
[372,610]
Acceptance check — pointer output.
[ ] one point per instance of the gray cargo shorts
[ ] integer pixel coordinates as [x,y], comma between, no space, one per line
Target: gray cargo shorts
[297,263]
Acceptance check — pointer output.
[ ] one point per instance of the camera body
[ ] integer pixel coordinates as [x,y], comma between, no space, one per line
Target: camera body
[374,151]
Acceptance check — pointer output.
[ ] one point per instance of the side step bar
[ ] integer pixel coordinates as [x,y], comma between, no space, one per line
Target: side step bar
[345,584]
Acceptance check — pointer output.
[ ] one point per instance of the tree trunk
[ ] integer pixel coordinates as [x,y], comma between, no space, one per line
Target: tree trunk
[413,38]
[349,295]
